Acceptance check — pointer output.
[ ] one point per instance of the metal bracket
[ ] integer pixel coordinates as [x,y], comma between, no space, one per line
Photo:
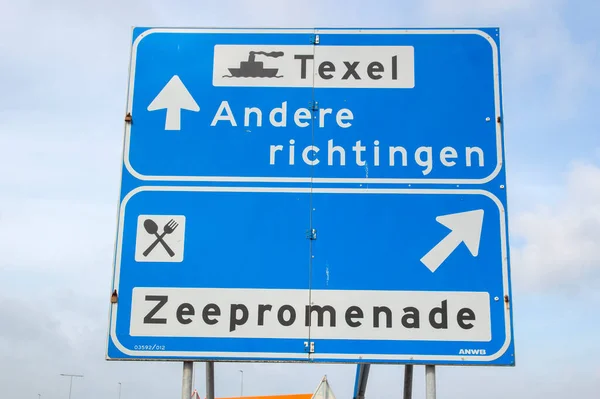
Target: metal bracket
[311,234]
[314,39]
[309,348]
[314,105]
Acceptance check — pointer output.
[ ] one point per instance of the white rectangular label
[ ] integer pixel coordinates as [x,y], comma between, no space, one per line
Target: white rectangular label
[326,66]
[262,313]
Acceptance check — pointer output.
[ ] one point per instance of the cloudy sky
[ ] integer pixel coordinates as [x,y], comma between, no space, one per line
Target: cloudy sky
[63,76]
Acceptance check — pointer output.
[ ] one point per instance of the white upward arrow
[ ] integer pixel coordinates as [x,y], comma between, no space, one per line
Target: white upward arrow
[174,97]
[465,227]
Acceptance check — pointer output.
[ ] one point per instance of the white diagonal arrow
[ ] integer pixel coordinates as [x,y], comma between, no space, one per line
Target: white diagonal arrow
[174,97]
[465,227]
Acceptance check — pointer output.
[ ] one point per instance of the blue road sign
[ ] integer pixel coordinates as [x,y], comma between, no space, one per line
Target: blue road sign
[314,195]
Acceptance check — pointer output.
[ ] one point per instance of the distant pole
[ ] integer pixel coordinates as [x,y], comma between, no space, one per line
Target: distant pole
[242,383]
[119,390]
[39,396]
[71,382]
[430,382]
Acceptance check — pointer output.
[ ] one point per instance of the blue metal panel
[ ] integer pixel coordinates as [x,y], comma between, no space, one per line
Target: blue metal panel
[234,194]
[373,240]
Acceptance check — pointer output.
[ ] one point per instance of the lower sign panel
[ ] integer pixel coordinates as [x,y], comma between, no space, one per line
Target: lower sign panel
[381,275]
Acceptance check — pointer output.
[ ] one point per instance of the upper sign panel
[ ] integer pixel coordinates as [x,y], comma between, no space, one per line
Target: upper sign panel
[338,106]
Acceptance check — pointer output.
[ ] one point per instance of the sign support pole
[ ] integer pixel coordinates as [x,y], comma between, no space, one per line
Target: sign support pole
[210,380]
[187,380]
[430,382]
[362,376]
[408,381]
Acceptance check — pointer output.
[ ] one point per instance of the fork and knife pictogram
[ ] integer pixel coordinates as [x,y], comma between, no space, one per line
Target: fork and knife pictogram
[152,228]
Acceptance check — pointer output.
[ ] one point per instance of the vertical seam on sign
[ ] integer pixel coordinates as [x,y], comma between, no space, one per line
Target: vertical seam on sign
[310,202]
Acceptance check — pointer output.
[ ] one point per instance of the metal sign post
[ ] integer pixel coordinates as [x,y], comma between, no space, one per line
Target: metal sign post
[408,381]
[187,380]
[361,379]
[210,380]
[430,382]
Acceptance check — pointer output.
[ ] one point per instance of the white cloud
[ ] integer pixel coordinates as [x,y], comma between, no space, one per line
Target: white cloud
[539,52]
[561,250]
[479,11]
